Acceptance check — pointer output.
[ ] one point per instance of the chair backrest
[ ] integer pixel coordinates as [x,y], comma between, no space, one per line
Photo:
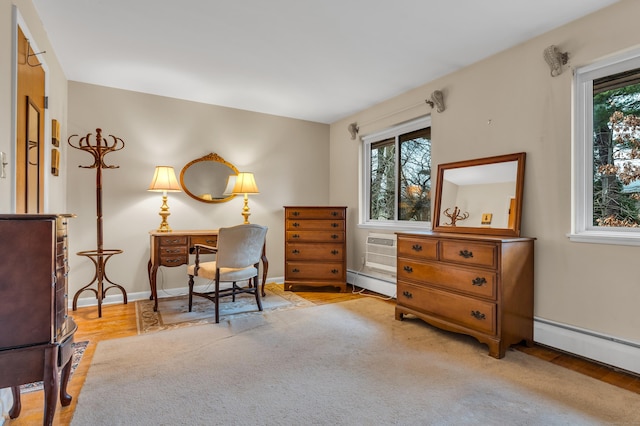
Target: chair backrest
[240,246]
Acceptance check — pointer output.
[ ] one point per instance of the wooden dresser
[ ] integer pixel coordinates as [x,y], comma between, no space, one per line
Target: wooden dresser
[36,333]
[472,284]
[315,247]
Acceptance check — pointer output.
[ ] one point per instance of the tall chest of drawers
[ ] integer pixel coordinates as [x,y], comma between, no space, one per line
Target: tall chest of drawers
[36,332]
[315,247]
[472,284]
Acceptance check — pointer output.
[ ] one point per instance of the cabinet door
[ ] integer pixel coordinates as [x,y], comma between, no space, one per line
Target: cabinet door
[26,288]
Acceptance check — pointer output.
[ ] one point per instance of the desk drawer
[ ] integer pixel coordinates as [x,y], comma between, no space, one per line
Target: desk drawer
[173,240]
[208,240]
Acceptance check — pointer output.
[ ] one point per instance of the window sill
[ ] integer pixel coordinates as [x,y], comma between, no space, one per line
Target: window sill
[622,238]
[396,226]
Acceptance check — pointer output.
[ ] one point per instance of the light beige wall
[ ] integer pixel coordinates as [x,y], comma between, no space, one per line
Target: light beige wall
[55,198]
[509,103]
[288,157]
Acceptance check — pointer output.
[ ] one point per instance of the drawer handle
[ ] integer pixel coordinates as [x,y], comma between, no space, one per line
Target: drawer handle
[295,270]
[296,224]
[334,225]
[407,294]
[479,281]
[417,247]
[334,214]
[172,251]
[211,242]
[334,271]
[408,268]
[295,213]
[466,254]
[295,236]
[295,251]
[334,236]
[174,241]
[478,315]
[173,260]
[334,252]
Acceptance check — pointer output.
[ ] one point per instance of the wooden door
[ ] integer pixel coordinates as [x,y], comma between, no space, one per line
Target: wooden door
[30,144]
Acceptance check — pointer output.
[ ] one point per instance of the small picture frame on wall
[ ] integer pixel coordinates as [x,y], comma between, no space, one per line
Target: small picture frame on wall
[55,161]
[55,132]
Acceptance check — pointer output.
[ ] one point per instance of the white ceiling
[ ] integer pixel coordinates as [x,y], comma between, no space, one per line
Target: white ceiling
[315,60]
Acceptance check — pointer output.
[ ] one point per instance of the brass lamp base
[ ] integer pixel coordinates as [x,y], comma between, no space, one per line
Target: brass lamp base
[164,213]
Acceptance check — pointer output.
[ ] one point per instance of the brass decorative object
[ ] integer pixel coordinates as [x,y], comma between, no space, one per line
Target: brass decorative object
[455,216]
[100,256]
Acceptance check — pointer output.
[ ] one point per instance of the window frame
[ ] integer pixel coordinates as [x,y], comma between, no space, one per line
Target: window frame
[365,177]
[582,228]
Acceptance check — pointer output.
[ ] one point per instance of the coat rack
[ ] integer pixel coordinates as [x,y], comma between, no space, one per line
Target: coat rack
[100,256]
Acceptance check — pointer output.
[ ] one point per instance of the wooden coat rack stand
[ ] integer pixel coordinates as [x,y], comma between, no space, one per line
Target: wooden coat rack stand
[100,256]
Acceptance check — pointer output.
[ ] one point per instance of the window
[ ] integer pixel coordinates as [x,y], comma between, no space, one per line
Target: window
[607,151]
[396,189]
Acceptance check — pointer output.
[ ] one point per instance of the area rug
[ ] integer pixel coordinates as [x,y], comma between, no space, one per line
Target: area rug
[78,351]
[348,363]
[173,312]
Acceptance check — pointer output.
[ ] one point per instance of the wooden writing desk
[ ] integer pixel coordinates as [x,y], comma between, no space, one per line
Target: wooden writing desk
[173,248]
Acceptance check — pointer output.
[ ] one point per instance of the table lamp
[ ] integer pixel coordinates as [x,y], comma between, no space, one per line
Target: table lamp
[245,184]
[164,180]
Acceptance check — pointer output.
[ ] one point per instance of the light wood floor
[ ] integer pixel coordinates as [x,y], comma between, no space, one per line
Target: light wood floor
[120,321]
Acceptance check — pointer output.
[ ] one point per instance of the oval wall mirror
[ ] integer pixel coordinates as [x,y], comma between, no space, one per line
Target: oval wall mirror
[205,178]
[480,196]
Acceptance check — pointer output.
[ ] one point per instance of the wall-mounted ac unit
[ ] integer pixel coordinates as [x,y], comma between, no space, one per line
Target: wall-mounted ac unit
[381,252]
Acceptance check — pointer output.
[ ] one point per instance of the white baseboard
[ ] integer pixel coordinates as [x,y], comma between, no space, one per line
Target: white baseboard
[608,350]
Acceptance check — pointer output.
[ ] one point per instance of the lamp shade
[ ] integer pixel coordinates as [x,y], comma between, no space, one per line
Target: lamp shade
[231,183]
[245,184]
[164,179]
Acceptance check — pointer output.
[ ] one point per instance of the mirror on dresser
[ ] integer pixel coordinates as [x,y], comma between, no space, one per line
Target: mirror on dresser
[480,196]
[205,178]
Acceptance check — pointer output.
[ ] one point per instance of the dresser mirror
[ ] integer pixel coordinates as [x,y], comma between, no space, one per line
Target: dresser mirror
[480,196]
[205,178]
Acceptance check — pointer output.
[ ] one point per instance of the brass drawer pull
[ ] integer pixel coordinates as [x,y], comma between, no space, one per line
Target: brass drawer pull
[295,236]
[479,281]
[416,247]
[407,294]
[466,254]
[478,315]
[334,214]
[407,268]
[173,260]
[295,213]
[172,251]
[334,271]
[295,251]
[296,224]
[295,270]
[211,242]
[334,225]
[334,252]
[334,236]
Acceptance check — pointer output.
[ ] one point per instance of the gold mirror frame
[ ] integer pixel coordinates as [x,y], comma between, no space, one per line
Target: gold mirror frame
[210,167]
[514,208]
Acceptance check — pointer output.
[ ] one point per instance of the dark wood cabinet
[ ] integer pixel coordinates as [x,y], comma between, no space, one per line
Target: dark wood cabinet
[36,333]
[315,247]
[472,284]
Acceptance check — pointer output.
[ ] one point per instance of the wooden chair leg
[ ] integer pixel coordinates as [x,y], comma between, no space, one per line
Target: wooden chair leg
[190,292]
[256,291]
[217,301]
[65,398]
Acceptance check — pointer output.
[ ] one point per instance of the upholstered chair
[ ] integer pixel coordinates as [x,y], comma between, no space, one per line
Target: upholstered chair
[238,252]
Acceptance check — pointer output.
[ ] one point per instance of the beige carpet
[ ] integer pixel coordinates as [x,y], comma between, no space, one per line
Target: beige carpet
[173,312]
[347,363]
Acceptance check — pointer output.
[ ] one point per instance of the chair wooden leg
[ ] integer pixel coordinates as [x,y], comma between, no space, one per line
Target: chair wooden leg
[190,292]
[257,293]
[217,301]
[17,405]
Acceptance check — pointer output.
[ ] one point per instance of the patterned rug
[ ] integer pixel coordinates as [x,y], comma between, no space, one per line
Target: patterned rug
[78,351]
[173,312]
